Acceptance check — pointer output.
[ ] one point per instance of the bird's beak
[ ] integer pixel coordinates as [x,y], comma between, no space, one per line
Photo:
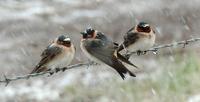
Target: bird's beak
[82,33]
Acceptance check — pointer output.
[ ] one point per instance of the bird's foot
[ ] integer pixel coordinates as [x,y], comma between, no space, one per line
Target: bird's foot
[64,69]
[57,69]
[139,52]
[144,52]
[50,74]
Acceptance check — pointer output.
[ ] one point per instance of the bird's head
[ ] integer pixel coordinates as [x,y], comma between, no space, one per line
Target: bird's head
[89,33]
[64,40]
[143,27]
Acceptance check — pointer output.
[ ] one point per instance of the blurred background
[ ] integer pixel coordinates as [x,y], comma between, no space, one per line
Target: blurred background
[28,26]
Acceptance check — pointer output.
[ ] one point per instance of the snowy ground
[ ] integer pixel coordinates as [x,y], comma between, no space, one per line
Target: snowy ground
[27,27]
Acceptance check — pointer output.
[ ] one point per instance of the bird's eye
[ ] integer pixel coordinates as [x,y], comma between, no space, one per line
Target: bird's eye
[90,31]
[61,38]
[67,42]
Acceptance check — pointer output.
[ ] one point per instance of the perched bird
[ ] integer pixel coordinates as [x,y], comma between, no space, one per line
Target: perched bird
[98,48]
[138,39]
[58,54]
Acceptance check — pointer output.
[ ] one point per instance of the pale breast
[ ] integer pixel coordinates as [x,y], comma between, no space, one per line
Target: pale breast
[63,59]
[142,44]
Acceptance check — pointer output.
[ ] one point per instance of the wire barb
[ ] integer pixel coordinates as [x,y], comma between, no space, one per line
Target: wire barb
[186,43]
[7,80]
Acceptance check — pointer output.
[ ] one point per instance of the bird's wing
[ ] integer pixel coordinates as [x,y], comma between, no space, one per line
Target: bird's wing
[105,53]
[129,38]
[47,55]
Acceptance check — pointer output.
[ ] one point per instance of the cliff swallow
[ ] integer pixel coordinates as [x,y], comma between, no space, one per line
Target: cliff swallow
[139,38]
[58,54]
[98,48]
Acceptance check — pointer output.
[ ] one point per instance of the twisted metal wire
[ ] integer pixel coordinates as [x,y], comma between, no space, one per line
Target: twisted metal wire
[183,43]
[7,80]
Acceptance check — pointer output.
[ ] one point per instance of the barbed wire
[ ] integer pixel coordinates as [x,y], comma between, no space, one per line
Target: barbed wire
[183,43]
[7,80]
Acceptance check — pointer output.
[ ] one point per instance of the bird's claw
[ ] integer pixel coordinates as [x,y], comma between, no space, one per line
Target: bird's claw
[57,69]
[139,52]
[50,74]
[64,69]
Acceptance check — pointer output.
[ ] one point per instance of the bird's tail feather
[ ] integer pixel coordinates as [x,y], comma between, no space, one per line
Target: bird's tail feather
[121,74]
[38,70]
[131,74]
[122,58]
[126,70]
[121,69]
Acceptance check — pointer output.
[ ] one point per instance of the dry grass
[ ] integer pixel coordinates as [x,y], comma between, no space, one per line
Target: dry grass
[174,83]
